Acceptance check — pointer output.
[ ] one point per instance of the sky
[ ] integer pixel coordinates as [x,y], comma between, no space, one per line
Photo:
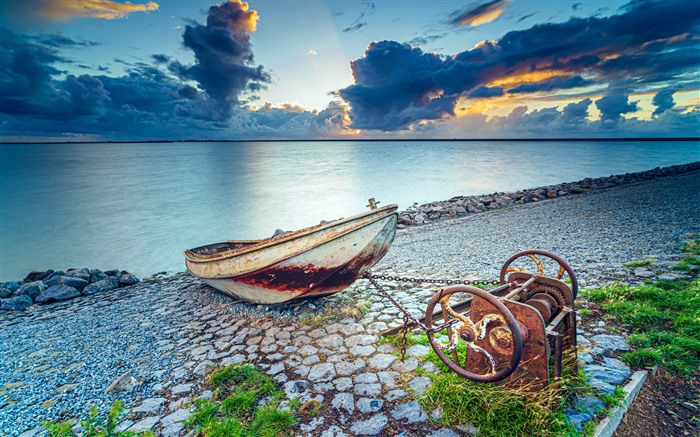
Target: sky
[107,70]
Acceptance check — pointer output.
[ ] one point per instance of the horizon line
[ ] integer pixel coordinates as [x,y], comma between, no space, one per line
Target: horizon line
[574,139]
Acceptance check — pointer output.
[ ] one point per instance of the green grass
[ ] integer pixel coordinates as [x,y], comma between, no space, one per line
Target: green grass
[494,409]
[639,263]
[245,404]
[664,318]
[95,425]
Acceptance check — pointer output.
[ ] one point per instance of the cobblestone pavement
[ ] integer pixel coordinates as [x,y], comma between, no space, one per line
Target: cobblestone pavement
[162,335]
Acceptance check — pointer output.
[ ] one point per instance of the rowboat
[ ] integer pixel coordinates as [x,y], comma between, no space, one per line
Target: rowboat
[316,261]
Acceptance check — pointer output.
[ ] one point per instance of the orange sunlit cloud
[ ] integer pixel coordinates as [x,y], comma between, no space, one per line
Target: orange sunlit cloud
[106,9]
[483,14]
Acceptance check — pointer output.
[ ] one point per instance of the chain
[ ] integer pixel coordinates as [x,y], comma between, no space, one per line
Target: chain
[407,315]
[369,275]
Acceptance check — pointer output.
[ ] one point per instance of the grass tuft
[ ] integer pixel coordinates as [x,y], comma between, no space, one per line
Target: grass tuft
[245,404]
[639,263]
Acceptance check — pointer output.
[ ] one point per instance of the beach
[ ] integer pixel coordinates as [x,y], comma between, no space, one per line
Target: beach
[57,360]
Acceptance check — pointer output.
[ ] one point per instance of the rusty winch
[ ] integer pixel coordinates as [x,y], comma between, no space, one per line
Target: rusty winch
[522,332]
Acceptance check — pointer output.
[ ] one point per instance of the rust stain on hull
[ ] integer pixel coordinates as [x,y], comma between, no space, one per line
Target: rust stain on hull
[315,261]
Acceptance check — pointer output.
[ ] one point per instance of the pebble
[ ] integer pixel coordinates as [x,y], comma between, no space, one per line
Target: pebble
[373,426]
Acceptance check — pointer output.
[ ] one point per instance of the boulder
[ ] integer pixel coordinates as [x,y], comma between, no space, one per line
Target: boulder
[97,275]
[100,286]
[53,278]
[57,293]
[12,285]
[37,276]
[83,273]
[74,282]
[126,278]
[32,289]
[5,293]
[113,272]
[16,303]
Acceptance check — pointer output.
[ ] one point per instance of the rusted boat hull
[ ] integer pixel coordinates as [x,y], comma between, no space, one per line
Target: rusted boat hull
[315,261]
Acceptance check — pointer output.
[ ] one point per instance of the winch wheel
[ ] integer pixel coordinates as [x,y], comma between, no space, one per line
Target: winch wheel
[533,254]
[469,333]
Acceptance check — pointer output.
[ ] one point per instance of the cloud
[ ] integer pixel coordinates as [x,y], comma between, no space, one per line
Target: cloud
[483,91]
[613,104]
[577,112]
[478,15]
[551,85]
[650,43]
[224,66]
[311,52]
[52,10]
[360,21]
[664,100]
[355,26]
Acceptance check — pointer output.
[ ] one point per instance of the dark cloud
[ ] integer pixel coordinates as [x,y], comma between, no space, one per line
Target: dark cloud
[224,65]
[354,27]
[388,98]
[612,105]
[484,92]
[551,85]
[476,15]
[161,59]
[525,17]
[664,100]
[575,6]
[650,42]
[426,39]
[576,113]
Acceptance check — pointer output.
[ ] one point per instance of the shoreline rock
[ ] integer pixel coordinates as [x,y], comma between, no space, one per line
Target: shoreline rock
[54,286]
[461,206]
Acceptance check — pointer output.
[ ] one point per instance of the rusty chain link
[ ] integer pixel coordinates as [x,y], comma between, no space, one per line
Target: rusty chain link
[407,315]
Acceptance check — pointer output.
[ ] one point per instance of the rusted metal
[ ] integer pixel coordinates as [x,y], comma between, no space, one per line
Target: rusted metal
[512,333]
[534,254]
[315,261]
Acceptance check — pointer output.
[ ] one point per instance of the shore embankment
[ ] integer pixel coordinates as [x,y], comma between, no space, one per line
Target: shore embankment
[159,337]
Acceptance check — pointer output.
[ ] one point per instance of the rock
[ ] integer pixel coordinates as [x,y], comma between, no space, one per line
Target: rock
[418,350]
[203,368]
[5,293]
[420,384]
[178,416]
[644,273]
[577,418]
[16,303]
[126,279]
[144,425]
[37,276]
[368,389]
[412,412]
[344,401]
[173,430]
[350,367]
[332,340]
[124,382]
[112,273]
[97,275]
[75,282]
[612,342]
[296,389]
[53,278]
[83,273]
[12,285]
[149,406]
[382,361]
[32,289]
[588,404]
[100,286]
[395,394]
[613,373]
[322,372]
[57,293]
[181,389]
[373,426]
[367,405]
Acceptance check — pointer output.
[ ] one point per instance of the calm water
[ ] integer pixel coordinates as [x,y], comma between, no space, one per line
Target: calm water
[138,206]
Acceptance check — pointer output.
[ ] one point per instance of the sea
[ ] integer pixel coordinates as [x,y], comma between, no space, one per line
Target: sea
[138,206]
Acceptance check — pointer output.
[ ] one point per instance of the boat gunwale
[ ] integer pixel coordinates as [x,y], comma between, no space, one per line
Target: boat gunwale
[194,257]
